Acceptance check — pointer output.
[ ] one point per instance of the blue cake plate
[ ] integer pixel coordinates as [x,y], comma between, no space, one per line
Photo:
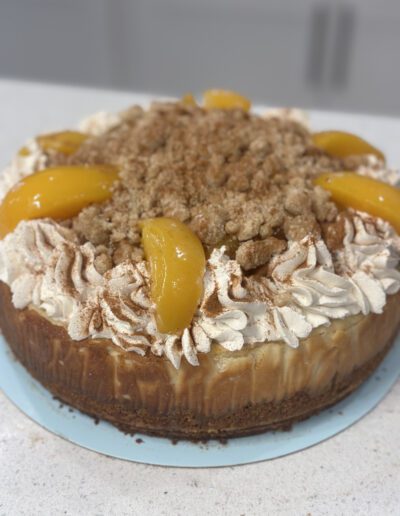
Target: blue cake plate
[37,403]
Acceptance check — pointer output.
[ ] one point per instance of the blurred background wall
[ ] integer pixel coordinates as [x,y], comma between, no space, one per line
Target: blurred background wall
[341,55]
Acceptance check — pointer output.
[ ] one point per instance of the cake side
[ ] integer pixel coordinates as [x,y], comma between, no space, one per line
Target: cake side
[229,394]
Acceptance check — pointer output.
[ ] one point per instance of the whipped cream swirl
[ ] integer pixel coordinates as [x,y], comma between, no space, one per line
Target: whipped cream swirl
[99,123]
[45,266]
[305,288]
[376,169]
[22,166]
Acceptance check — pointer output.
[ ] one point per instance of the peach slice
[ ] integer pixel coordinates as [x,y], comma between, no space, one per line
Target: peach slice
[23,152]
[342,144]
[188,100]
[223,99]
[363,193]
[65,142]
[177,265]
[59,193]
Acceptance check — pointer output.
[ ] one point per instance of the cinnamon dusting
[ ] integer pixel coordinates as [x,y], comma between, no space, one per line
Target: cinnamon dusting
[226,173]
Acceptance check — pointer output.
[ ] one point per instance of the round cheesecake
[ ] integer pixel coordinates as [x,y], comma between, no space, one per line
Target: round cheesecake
[299,298]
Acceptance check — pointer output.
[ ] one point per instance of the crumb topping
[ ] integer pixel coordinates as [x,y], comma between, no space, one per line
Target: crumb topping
[237,179]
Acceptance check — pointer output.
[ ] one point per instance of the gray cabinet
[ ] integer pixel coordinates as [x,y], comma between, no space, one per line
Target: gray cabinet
[55,40]
[311,53]
[260,48]
[372,78]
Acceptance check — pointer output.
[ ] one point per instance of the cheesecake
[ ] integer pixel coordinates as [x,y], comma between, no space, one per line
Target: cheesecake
[199,271]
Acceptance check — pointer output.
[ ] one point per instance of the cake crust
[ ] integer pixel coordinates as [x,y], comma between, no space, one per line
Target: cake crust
[264,387]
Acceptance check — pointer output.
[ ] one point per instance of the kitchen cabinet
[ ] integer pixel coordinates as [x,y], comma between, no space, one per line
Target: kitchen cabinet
[51,40]
[311,53]
[371,81]
[260,48]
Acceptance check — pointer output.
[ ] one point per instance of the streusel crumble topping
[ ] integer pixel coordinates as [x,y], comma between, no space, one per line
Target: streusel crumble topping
[237,179]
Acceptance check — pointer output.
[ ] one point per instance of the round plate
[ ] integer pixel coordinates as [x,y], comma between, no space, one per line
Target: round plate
[38,404]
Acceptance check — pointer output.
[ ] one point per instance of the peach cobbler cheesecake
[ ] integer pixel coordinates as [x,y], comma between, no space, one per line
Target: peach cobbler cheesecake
[199,271]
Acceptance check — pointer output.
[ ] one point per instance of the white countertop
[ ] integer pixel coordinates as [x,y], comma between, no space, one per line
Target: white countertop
[355,472]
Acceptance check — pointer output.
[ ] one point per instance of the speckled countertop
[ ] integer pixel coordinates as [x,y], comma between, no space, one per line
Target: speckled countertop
[356,472]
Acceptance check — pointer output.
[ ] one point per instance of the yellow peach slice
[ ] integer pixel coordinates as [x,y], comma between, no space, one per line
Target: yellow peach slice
[188,100]
[65,142]
[363,193]
[177,265]
[223,99]
[59,193]
[23,152]
[342,144]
